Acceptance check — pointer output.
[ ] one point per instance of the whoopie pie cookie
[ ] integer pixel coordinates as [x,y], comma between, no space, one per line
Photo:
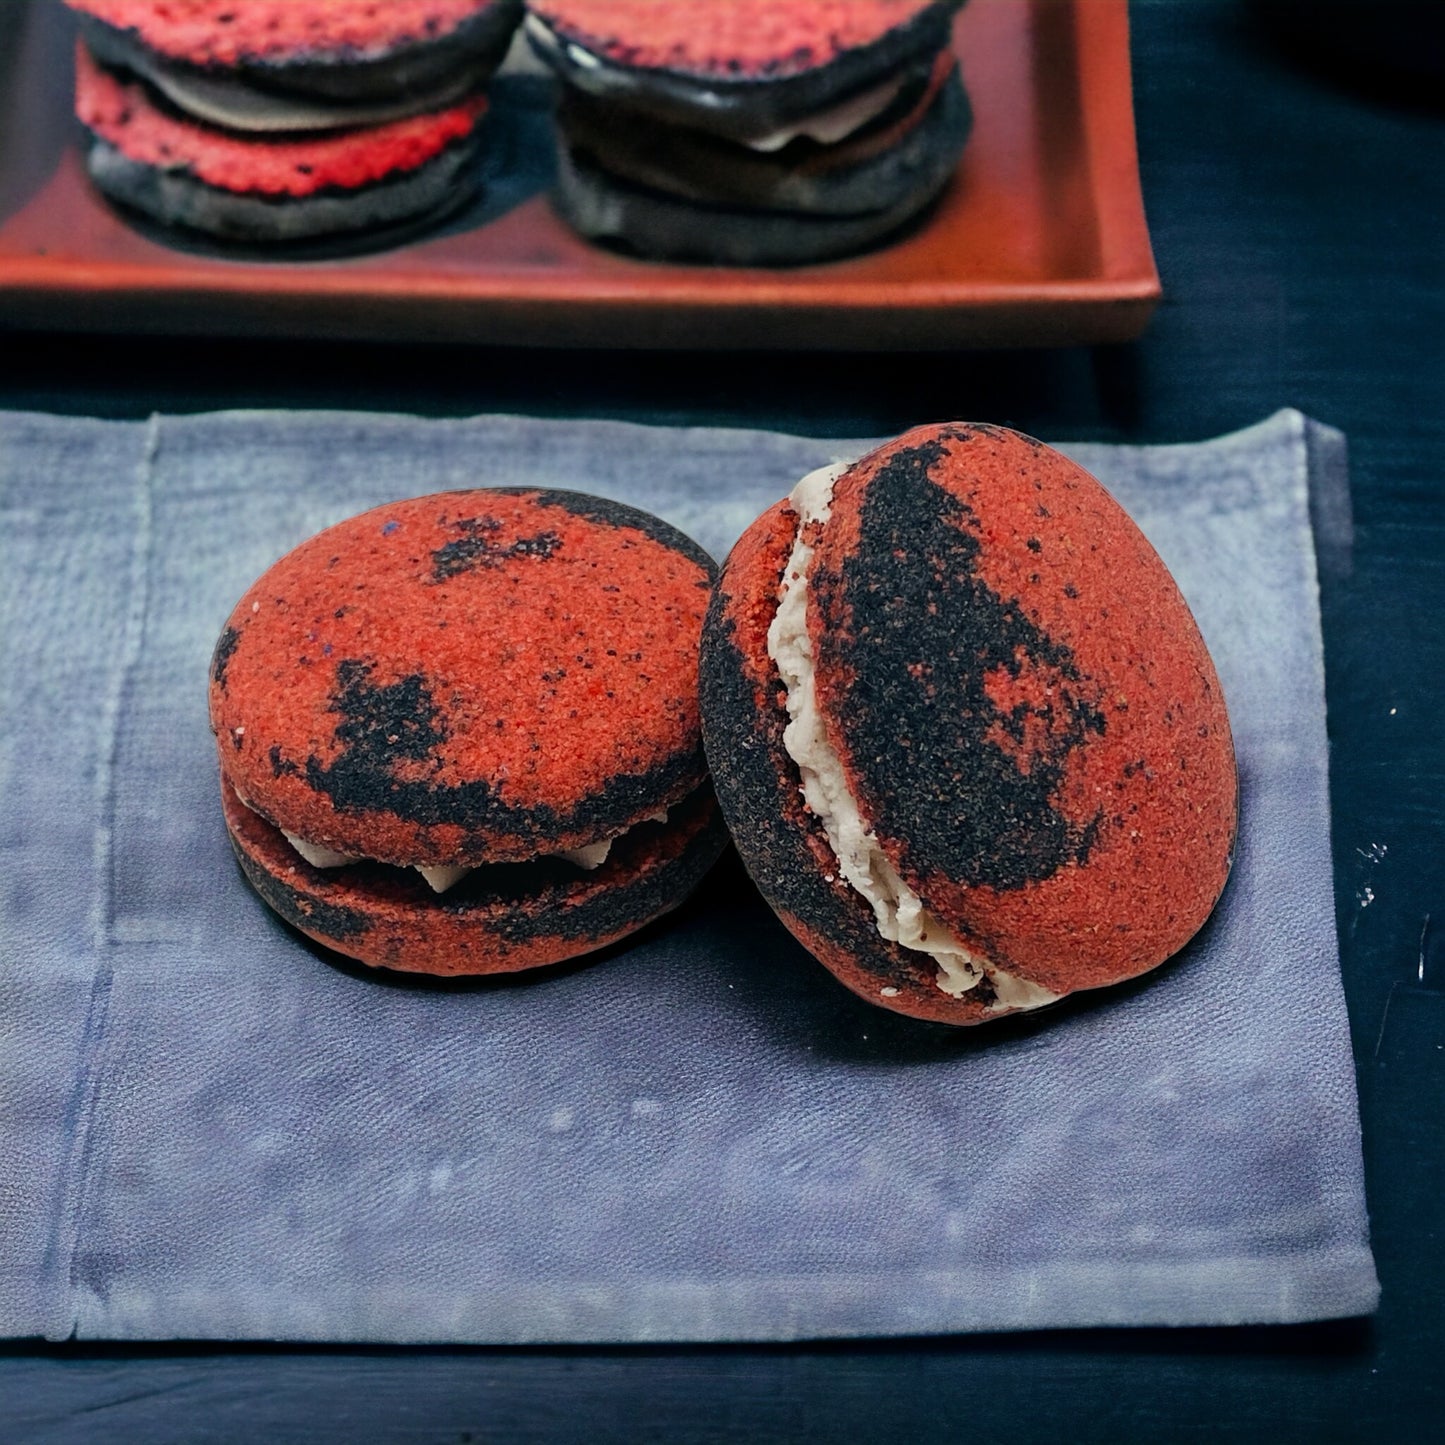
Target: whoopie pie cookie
[751,132]
[269,123]
[967,736]
[151,159]
[459,734]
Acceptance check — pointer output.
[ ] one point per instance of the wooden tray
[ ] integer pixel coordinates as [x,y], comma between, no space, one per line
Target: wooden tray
[1040,240]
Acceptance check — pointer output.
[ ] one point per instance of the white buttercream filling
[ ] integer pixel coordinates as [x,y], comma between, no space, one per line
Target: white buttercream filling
[836,122]
[318,855]
[899,913]
[237,107]
[442,876]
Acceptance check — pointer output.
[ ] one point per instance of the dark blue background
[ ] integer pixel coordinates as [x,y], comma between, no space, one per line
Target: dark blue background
[1296,195]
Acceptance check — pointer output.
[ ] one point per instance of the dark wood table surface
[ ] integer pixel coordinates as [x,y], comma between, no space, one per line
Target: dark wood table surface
[1296,196]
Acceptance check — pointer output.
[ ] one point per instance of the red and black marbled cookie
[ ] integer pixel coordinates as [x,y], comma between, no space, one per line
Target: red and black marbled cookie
[1020,704]
[298,64]
[148,156]
[736,68]
[482,679]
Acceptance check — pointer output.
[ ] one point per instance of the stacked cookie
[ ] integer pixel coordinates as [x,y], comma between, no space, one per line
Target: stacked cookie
[751,132]
[282,120]
[459,734]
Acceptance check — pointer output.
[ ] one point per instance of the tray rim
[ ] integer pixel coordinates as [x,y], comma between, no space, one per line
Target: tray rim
[682,307]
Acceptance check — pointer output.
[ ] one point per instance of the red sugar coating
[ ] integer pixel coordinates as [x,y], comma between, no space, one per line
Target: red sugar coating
[750,585]
[518,640]
[122,113]
[1151,784]
[231,32]
[735,39]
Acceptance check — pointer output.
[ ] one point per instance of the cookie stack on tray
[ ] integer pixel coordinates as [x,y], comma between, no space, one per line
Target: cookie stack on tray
[751,132]
[282,120]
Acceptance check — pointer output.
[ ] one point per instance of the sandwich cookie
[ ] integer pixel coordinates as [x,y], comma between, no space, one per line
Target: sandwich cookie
[751,132]
[178,172]
[275,123]
[460,734]
[968,738]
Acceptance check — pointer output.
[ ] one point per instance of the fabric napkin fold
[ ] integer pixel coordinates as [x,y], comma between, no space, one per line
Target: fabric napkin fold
[211,1129]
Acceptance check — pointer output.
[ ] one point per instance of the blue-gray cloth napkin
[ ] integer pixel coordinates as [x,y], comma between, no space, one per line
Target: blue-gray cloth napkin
[210,1128]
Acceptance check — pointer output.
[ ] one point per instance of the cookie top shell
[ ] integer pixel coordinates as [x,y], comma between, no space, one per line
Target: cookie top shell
[475,676]
[225,33]
[732,40]
[1023,705]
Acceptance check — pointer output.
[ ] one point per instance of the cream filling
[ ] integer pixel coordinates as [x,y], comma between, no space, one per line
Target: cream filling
[238,107]
[318,855]
[899,913]
[442,876]
[834,124]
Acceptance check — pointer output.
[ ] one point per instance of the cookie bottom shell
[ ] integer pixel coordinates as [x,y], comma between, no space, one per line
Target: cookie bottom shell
[176,198]
[665,228]
[501,919]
